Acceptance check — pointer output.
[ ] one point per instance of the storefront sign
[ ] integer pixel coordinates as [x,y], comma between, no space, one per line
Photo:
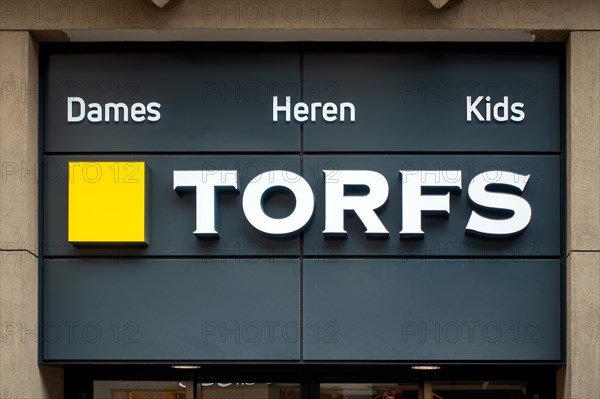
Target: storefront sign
[302,206]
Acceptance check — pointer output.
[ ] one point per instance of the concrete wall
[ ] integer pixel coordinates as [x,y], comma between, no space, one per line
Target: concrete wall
[581,378]
[21,377]
[300,14]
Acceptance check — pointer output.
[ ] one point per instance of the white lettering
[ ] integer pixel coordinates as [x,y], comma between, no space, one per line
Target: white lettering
[501,107]
[498,112]
[420,195]
[302,112]
[138,112]
[330,111]
[205,183]
[414,201]
[70,116]
[313,111]
[494,201]
[153,108]
[111,112]
[281,108]
[301,215]
[350,108]
[517,110]
[115,108]
[364,206]
[95,113]
[472,109]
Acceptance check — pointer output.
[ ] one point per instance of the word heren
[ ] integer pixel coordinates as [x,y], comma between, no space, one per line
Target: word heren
[505,197]
[302,112]
[111,112]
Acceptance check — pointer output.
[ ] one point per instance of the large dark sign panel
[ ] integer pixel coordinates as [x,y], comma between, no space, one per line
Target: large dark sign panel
[210,102]
[417,102]
[302,206]
[431,309]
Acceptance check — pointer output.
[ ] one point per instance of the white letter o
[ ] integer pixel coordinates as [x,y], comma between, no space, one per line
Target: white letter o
[254,212]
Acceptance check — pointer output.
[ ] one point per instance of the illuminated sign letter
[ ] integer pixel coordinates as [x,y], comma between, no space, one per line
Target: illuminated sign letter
[253,209]
[414,201]
[496,200]
[363,205]
[206,183]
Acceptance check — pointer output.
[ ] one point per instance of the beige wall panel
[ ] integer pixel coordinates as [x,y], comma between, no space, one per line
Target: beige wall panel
[348,14]
[581,378]
[20,376]
[18,142]
[583,141]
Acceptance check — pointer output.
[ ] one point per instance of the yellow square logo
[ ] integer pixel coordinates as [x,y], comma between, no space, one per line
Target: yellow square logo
[107,202]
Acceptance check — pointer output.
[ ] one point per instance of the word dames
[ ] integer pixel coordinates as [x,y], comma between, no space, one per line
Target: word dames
[77,111]
[505,196]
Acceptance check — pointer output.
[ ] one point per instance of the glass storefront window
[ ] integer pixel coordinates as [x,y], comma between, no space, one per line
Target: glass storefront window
[480,390]
[369,391]
[139,390]
[247,390]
